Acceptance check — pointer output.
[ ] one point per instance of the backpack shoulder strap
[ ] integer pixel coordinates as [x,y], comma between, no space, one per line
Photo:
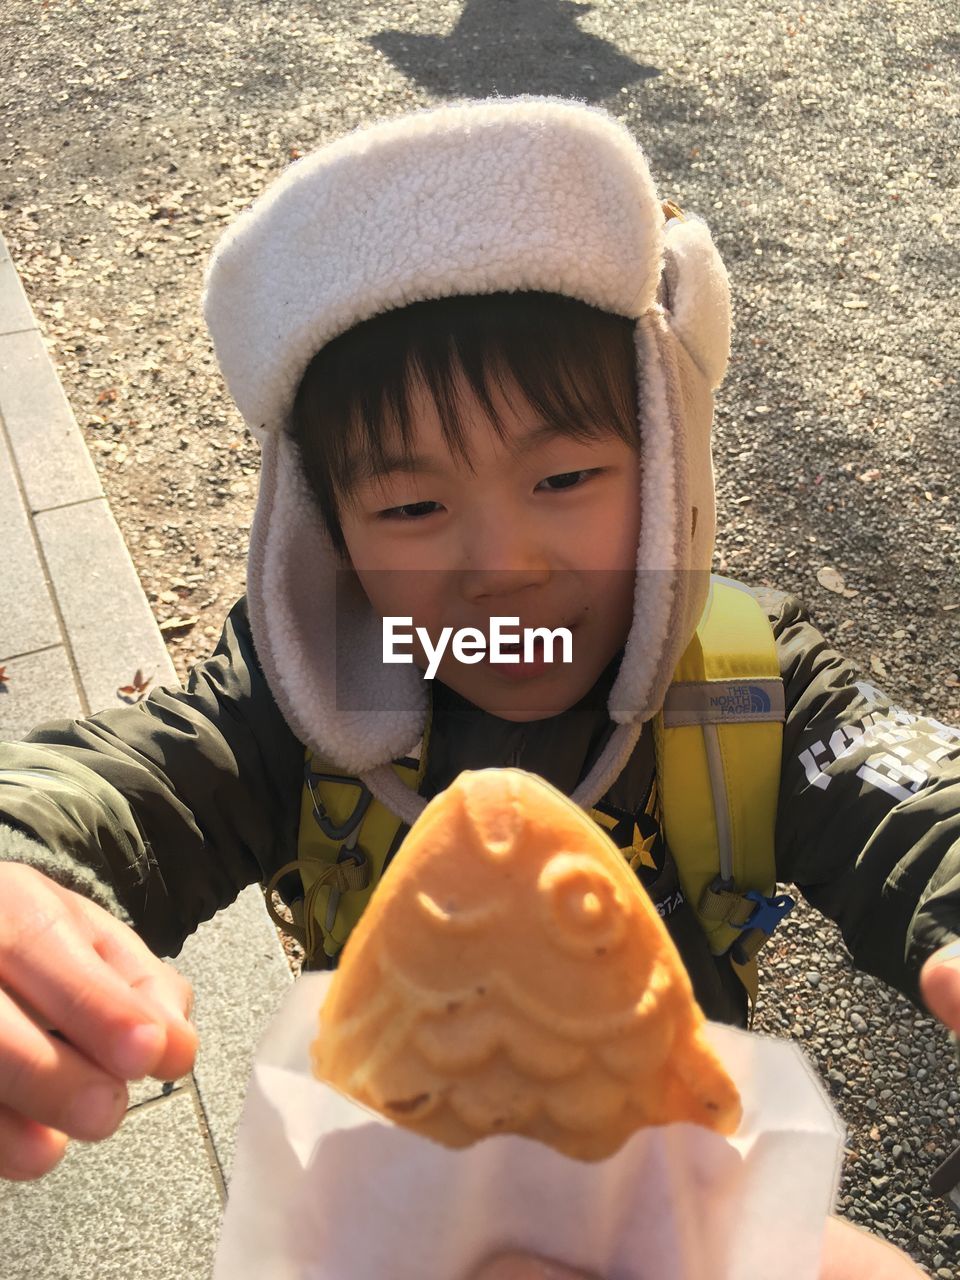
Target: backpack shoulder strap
[718,742]
[345,838]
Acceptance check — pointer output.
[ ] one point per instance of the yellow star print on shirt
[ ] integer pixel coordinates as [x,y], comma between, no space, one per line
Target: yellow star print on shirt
[643,849]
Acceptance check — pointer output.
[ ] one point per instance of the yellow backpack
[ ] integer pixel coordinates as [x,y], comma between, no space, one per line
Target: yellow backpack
[718,740]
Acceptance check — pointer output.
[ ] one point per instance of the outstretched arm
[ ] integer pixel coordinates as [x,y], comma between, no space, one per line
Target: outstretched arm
[161,812]
[869,814]
[153,816]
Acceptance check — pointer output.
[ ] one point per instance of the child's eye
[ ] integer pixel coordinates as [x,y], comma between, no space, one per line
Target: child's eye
[409,511]
[569,479]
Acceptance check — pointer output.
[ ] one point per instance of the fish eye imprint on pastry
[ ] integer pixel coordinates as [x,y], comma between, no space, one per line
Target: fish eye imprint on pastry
[511,975]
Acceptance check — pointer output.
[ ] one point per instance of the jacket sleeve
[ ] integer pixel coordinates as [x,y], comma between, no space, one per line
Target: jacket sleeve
[868,824]
[162,811]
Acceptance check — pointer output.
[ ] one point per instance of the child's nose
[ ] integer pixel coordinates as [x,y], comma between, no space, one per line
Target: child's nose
[491,585]
[503,557]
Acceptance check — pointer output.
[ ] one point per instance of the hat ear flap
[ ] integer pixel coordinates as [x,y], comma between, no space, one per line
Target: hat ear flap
[695,293]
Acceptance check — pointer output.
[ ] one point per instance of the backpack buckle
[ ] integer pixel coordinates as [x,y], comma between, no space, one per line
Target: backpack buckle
[768,912]
[329,828]
[755,931]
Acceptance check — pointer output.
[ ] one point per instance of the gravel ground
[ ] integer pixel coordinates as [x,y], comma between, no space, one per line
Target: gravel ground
[820,142]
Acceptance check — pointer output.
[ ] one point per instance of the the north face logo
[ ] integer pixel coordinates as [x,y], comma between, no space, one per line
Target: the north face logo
[759,699]
[741,700]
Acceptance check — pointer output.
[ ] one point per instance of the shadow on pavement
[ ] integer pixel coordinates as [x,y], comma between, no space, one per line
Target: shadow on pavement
[512,47]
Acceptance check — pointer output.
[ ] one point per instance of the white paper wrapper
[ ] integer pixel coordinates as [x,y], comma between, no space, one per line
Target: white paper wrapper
[323,1189]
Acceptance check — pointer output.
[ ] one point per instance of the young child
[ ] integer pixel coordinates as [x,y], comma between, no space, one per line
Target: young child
[480,357]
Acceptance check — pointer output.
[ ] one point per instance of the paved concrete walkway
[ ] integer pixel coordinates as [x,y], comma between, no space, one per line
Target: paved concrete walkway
[74,627]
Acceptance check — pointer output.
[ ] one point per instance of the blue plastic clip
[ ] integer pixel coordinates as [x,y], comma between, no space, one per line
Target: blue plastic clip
[768,912]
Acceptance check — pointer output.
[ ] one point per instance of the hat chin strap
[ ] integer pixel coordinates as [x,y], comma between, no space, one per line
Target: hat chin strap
[407,805]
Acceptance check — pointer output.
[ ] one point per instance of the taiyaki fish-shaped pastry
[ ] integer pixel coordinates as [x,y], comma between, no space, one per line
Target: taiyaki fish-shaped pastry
[511,975]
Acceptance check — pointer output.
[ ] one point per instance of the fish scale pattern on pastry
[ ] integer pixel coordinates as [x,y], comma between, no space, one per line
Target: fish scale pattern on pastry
[511,975]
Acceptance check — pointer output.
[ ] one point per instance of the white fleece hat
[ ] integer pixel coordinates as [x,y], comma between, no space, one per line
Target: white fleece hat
[525,193]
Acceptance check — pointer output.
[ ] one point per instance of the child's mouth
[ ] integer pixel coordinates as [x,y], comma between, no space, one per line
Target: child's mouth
[522,667]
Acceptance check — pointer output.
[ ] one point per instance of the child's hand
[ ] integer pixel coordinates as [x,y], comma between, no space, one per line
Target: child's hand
[849,1253]
[68,966]
[940,985]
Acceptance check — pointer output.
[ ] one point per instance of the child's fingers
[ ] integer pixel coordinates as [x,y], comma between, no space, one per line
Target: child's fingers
[50,966]
[123,950]
[851,1252]
[940,985]
[27,1150]
[181,1047]
[47,1081]
[163,990]
[120,948]
[79,971]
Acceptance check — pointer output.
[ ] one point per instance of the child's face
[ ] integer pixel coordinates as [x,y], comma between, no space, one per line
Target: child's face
[542,528]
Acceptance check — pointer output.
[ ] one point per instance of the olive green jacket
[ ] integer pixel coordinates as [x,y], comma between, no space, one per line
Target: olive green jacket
[165,810]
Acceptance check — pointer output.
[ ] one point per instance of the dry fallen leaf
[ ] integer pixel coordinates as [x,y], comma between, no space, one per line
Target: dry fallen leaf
[832,580]
[877,667]
[868,476]
[136,689]
[178,624]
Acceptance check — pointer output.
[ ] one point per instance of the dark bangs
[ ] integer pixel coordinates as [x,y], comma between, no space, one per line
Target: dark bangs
[574,364]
